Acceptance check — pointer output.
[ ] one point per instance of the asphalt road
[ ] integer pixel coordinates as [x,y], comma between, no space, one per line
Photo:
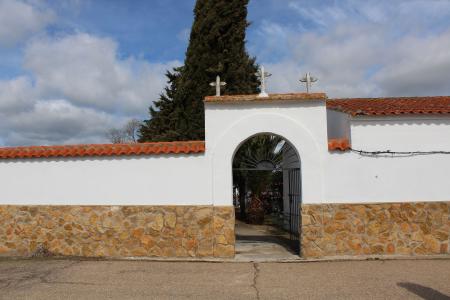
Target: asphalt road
[73,279]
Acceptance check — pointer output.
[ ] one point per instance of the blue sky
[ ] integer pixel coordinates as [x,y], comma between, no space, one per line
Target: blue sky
[72,69]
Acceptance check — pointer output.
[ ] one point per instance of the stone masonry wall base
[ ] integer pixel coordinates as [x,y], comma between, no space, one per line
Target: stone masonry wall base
[117,231]
[409,229]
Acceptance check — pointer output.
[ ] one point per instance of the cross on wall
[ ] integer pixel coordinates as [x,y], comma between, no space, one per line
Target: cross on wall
[263,75]
[308,80]
[218,84]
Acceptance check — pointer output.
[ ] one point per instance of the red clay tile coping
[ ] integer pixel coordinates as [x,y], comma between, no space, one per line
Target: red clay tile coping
[342,144]
[391,106]
[103,150]
[124,149]
[272,97]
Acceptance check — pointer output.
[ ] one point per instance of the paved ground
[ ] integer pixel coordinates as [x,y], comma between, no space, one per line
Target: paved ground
[262,243]
[65,279]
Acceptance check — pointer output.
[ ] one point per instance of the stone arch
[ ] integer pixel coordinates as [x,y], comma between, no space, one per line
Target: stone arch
[306,145]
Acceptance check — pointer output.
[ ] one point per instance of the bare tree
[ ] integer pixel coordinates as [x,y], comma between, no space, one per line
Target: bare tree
[127,134]
[131,129]
[116,136]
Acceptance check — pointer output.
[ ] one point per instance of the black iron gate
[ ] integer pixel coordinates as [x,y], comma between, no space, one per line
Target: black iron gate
[294,207]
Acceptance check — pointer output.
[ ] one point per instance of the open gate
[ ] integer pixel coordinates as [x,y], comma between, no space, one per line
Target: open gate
[282,197]
[294,176]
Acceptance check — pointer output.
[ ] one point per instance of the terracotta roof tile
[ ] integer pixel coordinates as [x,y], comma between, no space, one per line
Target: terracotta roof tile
[342,144]
[391,106]
[272,97]
[103,150]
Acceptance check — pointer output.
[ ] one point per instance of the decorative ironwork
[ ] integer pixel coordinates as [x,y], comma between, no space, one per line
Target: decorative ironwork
[294,207]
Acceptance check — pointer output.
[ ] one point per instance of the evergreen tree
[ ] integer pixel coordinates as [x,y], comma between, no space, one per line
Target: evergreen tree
[216,47]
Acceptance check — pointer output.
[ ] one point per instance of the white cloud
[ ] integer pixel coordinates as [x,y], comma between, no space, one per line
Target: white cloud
[51,122]
[15,95]
[78,88]
[359,49]
[20,19]
[321,15]
[417,66]
[86,69]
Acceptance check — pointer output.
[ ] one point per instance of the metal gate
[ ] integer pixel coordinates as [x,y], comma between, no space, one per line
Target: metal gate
[294,207]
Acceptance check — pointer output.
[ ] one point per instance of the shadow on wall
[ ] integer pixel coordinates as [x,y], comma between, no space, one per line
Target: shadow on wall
[423,291]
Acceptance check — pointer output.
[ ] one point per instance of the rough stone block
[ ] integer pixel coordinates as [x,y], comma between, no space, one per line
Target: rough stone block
[118,231]
[381,229]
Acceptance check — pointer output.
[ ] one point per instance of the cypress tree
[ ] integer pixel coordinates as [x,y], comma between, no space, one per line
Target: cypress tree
[216,47]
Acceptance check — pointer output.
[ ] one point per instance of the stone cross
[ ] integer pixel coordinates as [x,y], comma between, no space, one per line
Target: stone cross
[308,80]
[218,84]
[262,75]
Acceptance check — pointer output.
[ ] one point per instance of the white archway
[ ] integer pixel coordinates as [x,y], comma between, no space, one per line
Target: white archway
[307,147]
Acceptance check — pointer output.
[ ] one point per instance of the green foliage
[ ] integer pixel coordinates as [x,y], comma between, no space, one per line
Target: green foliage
[216,47]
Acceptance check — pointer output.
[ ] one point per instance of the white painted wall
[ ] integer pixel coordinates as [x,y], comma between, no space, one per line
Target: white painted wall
[401,133]
[351,178]
[205,179]
[140,180]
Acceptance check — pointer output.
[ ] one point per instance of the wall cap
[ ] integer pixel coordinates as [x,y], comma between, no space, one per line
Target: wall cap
[183,147]
[271,97]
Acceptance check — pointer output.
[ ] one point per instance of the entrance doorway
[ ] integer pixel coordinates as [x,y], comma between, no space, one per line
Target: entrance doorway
[267,198]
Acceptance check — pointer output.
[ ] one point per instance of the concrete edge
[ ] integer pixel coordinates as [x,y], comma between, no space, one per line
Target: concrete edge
[233,260]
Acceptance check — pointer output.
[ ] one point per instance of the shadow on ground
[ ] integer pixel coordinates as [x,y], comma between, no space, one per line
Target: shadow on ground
[423,291]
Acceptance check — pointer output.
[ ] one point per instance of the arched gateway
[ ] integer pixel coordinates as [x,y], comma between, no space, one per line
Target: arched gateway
[298,118]
[267,197]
